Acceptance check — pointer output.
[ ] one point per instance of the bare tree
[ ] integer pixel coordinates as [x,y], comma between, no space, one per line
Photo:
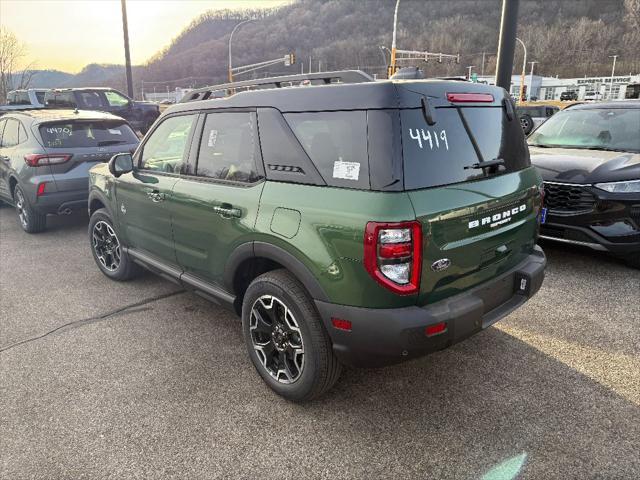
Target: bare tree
[12,76]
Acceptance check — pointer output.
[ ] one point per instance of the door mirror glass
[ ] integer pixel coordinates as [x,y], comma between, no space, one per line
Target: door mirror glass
[120,163]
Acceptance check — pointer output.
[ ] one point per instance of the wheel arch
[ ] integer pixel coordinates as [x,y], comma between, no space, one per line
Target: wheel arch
[96,201]
[250,260]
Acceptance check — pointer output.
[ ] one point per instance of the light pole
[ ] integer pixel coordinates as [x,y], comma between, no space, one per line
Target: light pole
[230,38]
[531,81]
[524,67]
[613,71]
[392,63]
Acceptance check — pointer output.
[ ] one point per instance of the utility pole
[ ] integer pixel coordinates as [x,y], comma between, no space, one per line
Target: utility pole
[613,71]
[230,38]
[524,67]
[127,56]
[531,81]
[392,63]
[482,68]
[507,43]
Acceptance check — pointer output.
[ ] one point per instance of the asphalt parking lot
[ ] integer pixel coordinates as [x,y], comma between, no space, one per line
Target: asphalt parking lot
[141,380]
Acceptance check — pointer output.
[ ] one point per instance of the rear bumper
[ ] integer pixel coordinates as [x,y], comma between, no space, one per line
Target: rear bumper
[62,202]
[386,336]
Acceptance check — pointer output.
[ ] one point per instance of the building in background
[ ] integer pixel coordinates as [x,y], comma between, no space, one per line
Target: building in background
[550,88]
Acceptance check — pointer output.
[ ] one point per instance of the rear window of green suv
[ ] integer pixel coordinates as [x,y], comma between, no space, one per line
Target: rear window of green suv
[79,134]
[444,153]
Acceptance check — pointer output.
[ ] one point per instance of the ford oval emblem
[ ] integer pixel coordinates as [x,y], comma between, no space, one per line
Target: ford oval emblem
[440,265]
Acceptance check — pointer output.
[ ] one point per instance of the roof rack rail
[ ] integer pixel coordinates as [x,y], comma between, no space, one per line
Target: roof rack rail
[320,78]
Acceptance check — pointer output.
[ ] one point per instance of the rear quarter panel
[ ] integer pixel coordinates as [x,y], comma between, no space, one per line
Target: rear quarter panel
[329,240]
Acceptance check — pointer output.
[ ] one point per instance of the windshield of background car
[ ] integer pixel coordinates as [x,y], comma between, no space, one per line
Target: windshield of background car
[80,134]
[443,153]
[595,128]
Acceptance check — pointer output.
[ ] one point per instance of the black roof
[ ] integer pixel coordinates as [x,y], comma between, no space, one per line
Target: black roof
[340,96]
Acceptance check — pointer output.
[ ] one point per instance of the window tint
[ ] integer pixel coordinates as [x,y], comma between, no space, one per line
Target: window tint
[228,149]
[60,100]
[19,98]
[115,99]
[75,134]
[40,97]
[165,149]
[336,142]
[10,135]
[89,100]
[497,137]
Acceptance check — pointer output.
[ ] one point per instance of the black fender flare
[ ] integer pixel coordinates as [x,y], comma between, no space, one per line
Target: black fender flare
[97,195]
[250,250]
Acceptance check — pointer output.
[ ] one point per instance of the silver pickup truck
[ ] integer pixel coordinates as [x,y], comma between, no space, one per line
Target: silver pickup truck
[24,99]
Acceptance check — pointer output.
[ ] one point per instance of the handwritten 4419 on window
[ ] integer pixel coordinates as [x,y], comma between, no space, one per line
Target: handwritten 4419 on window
[433,138]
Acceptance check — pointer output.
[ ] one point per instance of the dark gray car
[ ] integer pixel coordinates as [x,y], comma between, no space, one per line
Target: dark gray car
[45,157]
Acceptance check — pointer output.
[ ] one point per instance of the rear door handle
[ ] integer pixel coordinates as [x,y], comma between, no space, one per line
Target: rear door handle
[227,211]
[155,196]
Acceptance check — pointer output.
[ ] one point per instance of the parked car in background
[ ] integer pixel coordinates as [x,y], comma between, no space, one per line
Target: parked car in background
[363,223]
[589,158]
[569,95]
[591,96]
[632,91]
[532,116]
[45,157]
[24,99]
[140,115]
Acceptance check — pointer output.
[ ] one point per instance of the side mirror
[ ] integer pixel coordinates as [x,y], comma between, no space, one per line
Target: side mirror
[120,163]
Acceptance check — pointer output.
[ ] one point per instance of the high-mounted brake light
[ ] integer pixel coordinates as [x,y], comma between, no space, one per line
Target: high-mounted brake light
[393,255]
[470,97]
[39,160]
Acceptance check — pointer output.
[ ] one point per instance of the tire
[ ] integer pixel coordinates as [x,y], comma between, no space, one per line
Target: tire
[633,260]
[527,123]
[30,220]
[107,250]
[301,340]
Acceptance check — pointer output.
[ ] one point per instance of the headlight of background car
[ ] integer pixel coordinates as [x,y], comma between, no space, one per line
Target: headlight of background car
[632,186]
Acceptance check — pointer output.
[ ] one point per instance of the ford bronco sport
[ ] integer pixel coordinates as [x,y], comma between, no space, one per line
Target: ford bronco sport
[347,221]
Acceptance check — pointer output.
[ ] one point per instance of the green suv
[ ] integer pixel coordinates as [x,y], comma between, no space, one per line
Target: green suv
[347,221]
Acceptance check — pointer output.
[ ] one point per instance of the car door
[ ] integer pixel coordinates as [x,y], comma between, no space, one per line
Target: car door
[216,205]
[144,196]
[4,164]
[118,104]
[12,135]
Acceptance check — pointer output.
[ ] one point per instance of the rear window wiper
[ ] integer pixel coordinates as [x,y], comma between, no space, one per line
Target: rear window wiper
[491,163]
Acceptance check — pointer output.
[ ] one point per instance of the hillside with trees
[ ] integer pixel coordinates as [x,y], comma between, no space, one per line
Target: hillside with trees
[568,38]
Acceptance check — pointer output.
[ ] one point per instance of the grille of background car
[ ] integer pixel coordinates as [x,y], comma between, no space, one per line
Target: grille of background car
[568,198]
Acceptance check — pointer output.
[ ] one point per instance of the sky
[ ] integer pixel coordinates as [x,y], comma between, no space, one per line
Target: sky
[69,34]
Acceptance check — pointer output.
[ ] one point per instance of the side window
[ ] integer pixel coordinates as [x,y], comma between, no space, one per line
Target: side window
[40,96]
[2,124]
[115,99]
[11,98]
[228,149]
[89,100]
[10,135]
[336,142]
[165,149]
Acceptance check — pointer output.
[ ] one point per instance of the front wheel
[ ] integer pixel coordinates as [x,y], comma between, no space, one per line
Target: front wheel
[30,220]
[107,250]
[285,338]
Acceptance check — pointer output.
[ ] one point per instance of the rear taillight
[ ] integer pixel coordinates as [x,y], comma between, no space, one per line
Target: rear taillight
[39,160]
[470,97]
[393,255]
